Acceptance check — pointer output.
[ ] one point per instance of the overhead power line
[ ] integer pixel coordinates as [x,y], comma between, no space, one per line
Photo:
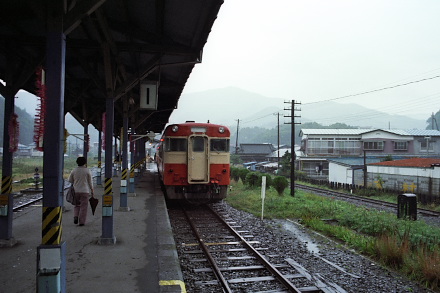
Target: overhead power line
[376,90]
[358,94]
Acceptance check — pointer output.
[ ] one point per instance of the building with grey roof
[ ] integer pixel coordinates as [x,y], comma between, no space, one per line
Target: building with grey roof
[320,145]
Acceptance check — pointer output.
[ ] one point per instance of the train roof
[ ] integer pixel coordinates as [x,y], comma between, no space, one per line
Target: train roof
[190,127]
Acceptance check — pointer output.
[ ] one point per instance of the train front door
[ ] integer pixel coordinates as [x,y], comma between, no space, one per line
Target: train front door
[198,171]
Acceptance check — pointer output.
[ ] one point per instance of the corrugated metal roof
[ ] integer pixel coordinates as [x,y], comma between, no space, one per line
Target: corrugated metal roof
[413,162]
[354,161]
[412,132]
[333,131]
[394,131]
[423,132]
[263,148]
[282,153]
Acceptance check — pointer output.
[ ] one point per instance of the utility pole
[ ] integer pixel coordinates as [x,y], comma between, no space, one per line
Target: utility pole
[365,169]
[278,157]
[278,151]
[236,139]
[292,142]
[433,119]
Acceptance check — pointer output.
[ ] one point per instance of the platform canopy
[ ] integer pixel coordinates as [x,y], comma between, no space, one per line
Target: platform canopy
[151,41]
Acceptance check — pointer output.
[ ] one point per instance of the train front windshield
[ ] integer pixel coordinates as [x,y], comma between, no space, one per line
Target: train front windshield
[175,144]
[219,145]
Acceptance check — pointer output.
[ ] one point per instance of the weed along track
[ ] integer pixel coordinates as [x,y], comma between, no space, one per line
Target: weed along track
[352,245]
[362,200]
[218,254]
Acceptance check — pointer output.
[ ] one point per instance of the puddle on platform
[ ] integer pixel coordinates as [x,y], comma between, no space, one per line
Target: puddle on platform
[301,236]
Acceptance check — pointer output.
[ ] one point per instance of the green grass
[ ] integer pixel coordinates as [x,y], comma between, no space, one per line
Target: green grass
[377,194]
[23,170]
[412,247]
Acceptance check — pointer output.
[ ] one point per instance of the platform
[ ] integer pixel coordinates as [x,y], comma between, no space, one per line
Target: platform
[144,258]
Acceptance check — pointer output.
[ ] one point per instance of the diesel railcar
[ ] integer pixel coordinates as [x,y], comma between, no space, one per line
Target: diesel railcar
[193,161]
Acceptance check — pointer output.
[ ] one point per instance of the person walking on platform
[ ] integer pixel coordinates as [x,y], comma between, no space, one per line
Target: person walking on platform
[81,178]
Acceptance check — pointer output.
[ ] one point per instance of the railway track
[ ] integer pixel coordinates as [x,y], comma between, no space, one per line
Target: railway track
[350,197]
[220,256]
[27,202]
[24,201]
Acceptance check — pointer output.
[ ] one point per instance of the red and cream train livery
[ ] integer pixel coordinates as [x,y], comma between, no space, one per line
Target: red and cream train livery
[193,161]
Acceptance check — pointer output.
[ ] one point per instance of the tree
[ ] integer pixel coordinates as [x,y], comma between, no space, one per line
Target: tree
[235,174]
[26,124]
[242,173]
[235,159]
[286,161]
[388,158]
[433,121]
[280,183]
[253,178]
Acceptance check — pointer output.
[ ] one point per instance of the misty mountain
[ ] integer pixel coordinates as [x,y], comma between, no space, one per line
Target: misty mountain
[227,105]
[25,120]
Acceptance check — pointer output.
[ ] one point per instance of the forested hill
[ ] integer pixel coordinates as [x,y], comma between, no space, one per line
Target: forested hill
[26,124]
[264,135]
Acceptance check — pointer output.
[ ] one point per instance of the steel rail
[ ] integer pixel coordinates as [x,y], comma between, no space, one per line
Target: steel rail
[278,275]
[216,269]
[363,199]
[32,201]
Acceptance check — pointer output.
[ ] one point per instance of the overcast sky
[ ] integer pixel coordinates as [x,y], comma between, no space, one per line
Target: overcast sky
[315,50]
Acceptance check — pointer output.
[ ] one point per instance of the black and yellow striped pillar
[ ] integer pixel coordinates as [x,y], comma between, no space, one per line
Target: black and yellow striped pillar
[6,184]
[131,180]
[52,228]
[124,174]
[123,201]
[132,170]
[107,198]
[5,194]
[98,175]
[6,208]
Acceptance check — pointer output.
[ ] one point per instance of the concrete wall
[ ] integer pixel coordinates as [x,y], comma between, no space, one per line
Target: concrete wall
[413,180]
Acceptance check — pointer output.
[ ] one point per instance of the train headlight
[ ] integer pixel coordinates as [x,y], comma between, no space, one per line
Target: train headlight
[175,128]
[221,129]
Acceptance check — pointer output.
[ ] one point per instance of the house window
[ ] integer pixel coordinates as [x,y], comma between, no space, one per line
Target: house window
[425,143]
[347,147]
[373,145]
[400,145]
[330,147]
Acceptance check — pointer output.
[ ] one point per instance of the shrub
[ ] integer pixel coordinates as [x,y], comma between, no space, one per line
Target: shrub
[235,174]
[253,178]
[242,173]
[300,175]
[280,183]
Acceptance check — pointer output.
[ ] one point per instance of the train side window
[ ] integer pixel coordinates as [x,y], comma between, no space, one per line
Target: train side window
[219,145]
[176,144]
[198,143]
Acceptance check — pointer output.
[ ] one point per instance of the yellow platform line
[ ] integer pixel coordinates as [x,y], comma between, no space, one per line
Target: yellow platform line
[174,283]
